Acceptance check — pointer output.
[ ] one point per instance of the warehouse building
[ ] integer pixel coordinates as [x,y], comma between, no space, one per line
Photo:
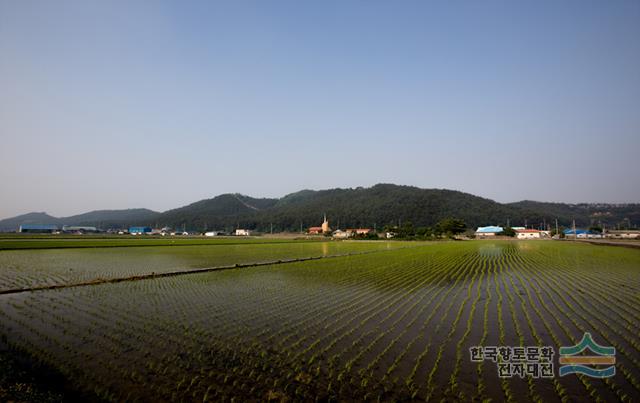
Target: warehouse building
[488,231]
[139,230]
[38,228]
[78,229]
[581,234]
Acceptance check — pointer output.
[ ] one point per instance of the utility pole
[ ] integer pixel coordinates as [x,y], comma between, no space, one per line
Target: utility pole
[271,228]
[557,228]
[508,223]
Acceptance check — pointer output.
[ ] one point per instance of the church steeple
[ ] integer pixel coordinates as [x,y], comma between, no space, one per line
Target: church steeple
[325,224]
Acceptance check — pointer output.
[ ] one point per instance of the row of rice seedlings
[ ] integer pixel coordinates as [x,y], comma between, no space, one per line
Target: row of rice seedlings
[459,273]
[526,285]
[378,301]
[430,386]
[518,264]
[404,301]
[616,289]
[41,346]
[556,286]
[391,306]
[480,386]
[599,300]
[504,383]
[26,276]
[452,388]
[450,269]
[539,276]
[314,303]
[340,311]
[506,261]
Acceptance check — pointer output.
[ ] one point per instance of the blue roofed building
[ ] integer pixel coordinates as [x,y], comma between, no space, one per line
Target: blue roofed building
[488,231]
[38,228]
[139,230]
[581,233]
[575,232]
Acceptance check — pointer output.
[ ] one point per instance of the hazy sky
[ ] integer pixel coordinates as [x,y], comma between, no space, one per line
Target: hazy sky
[107,104]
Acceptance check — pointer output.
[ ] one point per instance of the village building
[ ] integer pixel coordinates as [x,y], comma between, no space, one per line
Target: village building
[581,234]
[340,234]
[528,234]
[320,230]
[351,232]
[360,231]
[314,231]
[623,234]
[243,232]
[489,231]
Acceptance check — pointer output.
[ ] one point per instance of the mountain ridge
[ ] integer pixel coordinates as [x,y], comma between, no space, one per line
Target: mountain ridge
[378,205]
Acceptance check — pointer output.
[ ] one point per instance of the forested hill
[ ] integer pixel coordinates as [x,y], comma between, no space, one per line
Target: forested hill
[380,205]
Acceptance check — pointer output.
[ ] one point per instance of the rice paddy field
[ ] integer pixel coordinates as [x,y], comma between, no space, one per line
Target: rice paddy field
[369,321]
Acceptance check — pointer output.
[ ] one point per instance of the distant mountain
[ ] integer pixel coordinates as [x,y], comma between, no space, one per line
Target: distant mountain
[111,218]
[380,205]
[11,224]
[98,218]
[221,211]
[584,213]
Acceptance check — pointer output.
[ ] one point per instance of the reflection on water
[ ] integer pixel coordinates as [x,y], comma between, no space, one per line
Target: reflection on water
[491,250]
[529,245]
[325,249]
[499,249]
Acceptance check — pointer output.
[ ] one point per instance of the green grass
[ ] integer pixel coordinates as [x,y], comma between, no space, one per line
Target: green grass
[388,325]
[97,241]
[27,268]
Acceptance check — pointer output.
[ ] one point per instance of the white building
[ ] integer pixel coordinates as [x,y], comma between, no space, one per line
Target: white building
[243,232]
[340,234]
[623,234]
[528,234]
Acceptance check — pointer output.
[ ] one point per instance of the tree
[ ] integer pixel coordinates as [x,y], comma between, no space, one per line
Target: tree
[452,226]
[508,231]
[595,229]
[406,230]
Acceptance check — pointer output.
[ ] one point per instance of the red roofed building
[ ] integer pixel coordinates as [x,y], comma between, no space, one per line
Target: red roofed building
[320,230]
[315,230]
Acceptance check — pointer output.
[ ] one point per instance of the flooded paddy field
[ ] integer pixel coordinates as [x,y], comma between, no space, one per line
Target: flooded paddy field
[396,323]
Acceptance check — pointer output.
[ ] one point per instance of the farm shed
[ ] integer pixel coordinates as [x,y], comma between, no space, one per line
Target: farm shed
[488,231]
[38,228]
[623,234]
[139,230]
[528,234]
[77,228]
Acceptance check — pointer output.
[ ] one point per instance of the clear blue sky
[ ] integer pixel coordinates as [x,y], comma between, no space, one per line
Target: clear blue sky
[116,104]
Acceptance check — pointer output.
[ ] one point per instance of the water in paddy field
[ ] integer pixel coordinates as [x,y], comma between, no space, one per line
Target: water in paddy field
[389,325]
